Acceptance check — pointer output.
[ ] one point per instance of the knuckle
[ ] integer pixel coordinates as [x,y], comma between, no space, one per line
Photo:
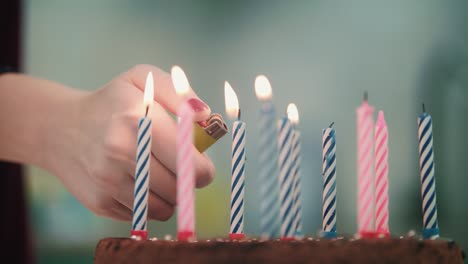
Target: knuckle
[114,150]
[119,126]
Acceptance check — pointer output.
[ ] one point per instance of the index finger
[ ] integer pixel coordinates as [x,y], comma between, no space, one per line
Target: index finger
[164,92]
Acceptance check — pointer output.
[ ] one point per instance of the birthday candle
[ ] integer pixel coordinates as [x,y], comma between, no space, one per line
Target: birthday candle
[142,171]
[427,176]
[365,125]
[285,163]
[381,179]
[269,188]
[185,169]
[329,182]
[237,164]
[293,116]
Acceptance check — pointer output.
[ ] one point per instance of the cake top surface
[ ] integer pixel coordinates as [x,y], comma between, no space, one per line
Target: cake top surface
[307,250]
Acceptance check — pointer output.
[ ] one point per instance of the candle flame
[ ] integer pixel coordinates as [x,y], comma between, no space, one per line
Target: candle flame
[179,79]
[263,88]
[149,90]
[293,114]
[231,101]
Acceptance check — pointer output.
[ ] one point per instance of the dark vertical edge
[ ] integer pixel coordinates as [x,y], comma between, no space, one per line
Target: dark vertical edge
[14,221]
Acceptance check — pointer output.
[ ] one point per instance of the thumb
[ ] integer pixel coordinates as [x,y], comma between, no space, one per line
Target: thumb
[164,92]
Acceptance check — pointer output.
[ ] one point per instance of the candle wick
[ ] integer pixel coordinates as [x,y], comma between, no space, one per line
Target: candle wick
[147,110]
[331,125]
[366,96]
[424,108]
[238,114]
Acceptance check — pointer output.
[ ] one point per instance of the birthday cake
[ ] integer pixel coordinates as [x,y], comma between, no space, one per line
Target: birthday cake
[308,250]
[375,244]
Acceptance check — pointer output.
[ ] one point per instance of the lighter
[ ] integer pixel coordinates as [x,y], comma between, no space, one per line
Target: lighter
[206,133]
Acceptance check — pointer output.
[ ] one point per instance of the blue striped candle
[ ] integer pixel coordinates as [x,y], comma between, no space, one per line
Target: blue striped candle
[427,176]
[237,180]
[297,209]
[267,156]
[237,164]
[329,182]
[286,175]
[142,170]
[293,116]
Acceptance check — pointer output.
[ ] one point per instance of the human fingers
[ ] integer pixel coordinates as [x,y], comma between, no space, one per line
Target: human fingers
[158,208]
[120,212]
[107,206]
[164,130]
[164,92]
[162,181]
[204,170]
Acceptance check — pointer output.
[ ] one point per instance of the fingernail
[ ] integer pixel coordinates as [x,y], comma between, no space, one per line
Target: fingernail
[197,105]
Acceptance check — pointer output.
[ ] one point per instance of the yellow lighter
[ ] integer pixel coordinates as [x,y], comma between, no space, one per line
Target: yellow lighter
[206,133]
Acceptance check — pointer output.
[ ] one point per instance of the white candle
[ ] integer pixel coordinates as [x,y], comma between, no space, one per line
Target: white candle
[237,164]
[142,171]
[329,182]
[427,176]
[293,115]
[269,187]
[285,163]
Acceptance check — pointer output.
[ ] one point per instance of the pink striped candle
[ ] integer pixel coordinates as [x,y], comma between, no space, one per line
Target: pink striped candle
[365,124]
[185,169]
[381,180]
[185,175]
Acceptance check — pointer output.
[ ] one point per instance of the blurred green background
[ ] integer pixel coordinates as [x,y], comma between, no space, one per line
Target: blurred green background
[320,55]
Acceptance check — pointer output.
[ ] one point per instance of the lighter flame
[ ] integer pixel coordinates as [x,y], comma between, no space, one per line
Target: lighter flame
[293,114]
[231,101]
[179,79]
[262,88]
[149,90]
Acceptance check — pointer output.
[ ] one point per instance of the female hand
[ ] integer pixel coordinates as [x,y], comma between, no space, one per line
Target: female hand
[95,154]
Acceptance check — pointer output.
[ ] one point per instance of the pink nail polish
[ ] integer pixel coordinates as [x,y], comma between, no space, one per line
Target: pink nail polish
[197,105]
